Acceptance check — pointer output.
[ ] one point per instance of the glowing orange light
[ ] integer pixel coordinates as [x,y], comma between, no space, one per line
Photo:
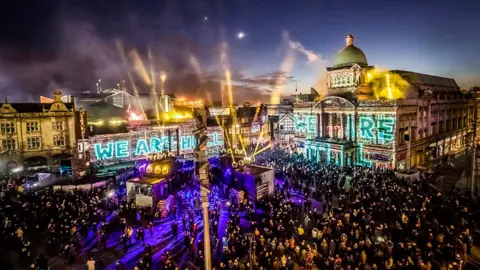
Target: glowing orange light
[135,117]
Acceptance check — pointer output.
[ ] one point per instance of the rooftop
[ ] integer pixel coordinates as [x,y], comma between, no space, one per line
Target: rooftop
[34,107]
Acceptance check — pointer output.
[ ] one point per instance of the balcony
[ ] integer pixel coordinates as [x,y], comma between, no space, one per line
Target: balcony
[346,143]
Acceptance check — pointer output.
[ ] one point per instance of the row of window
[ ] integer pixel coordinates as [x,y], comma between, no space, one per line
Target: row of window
[343,79]
[34,142]
[9,128]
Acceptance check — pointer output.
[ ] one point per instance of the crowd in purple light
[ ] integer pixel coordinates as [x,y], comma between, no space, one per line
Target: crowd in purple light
[319,217]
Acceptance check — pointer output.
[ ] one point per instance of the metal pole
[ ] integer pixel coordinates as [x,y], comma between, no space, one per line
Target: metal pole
[408,149]
[82,130]
[474,143]
[201,157]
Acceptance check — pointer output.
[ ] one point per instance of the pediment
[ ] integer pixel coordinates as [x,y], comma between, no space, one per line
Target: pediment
[286,117]
[355,67]
[7,108]
[58,107]
[334,102]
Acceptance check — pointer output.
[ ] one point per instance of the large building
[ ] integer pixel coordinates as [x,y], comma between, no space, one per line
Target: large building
[37,135]
[393,119]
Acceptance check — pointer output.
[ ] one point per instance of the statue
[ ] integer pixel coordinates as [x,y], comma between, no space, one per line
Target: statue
[357,77]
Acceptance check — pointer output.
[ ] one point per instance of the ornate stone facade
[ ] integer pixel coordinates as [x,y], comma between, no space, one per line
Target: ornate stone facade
[351,125]
[36,134]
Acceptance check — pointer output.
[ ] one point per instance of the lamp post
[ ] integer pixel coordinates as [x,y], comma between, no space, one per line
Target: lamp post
[202,165]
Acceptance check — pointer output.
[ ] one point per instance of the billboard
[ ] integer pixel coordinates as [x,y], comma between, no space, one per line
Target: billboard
[132,146]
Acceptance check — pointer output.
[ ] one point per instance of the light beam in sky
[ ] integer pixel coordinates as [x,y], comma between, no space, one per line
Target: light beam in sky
[240,35]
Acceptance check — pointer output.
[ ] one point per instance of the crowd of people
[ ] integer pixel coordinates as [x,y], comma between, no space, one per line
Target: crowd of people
[318,219]
[64,217]
[320,216]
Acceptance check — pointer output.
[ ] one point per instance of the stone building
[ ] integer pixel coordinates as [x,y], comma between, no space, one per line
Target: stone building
[393,119]
[37,135]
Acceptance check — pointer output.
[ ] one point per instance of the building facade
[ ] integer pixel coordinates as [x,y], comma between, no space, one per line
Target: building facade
[250,126]
[148,141]
[391,119]
[36,135]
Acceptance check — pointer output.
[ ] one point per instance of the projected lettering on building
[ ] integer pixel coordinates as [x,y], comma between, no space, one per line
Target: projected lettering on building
[381,129]
[125,148]
[378,130]
[305,123]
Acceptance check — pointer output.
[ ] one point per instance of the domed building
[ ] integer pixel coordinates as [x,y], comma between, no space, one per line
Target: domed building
[350,55]
[391,119]
[346,77]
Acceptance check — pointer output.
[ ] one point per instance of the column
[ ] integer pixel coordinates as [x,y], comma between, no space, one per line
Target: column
[350,127]
[319,127]
[445,120]
[330,133]
[177,135]
[341,126]
[429,118]
[322,128]
[355,124]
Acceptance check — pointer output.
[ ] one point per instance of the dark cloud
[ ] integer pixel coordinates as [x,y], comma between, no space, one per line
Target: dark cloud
[71,44]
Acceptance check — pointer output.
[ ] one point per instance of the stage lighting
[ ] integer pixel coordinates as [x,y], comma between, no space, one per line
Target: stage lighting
[234,164]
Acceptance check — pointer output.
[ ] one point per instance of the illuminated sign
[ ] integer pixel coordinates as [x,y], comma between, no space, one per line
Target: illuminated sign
[124,148]
[305,123]
[384,128]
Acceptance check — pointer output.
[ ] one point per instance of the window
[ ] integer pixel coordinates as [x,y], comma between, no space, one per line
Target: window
[33,127]
[8,144]
[33,143]
[58,140]
[58,126]
[7,128]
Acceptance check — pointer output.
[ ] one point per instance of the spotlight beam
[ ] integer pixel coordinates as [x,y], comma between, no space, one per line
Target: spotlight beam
[121,51]
[263,149]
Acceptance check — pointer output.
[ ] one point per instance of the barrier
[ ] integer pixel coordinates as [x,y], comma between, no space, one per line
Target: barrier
[82,186]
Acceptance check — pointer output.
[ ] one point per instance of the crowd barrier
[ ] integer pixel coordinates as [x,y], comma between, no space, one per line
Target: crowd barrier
[83,186]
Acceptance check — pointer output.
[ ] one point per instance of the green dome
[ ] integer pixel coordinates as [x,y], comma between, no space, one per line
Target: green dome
[350,55]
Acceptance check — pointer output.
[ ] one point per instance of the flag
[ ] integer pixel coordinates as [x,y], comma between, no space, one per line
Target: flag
[79,167]
[45,100]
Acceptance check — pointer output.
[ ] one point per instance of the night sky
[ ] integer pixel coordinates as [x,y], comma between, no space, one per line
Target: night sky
[70,44]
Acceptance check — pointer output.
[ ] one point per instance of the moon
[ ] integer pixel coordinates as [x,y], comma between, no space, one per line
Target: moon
[240,35]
